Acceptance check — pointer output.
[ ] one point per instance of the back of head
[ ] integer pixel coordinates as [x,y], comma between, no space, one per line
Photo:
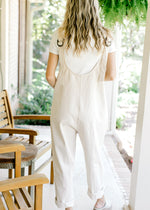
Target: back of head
[81,19]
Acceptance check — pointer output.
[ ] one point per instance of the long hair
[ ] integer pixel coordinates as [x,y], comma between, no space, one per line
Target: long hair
[81,18]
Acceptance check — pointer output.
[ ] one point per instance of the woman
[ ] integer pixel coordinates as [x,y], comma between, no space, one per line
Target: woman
[81,45]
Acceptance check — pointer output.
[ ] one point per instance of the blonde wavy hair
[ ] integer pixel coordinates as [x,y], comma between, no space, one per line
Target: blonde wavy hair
[81,18]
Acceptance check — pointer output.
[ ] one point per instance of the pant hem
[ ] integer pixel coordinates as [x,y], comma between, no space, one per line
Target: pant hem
[63,204]
[96,195]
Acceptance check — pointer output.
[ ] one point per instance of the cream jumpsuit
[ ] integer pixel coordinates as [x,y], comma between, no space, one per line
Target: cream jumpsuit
[78,106]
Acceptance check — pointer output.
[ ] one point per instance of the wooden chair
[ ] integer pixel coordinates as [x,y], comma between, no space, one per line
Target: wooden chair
[13,191]
[7,127]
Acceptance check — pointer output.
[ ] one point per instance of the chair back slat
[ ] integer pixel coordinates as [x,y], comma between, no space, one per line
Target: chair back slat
[27,197]
[16,199]
[6,117]
[2,109]
[3,115]
[2,207]
[3,123]
[20,200]
[1,101]
[3,94]
[9,200]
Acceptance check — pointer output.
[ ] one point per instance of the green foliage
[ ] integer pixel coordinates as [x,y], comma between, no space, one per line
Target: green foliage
[44,23]
[35,101]
[120,122]
[36,98]
[133,40]
[130,83]
[117,10]
[129,73]
[130,69]
[126,13]
[127,99]
[38,77]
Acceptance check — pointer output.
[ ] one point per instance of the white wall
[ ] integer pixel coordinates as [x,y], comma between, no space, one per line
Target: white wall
[4,43]
[9,47]
[13,44]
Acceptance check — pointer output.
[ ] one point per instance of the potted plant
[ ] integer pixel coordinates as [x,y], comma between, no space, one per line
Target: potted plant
[113,11]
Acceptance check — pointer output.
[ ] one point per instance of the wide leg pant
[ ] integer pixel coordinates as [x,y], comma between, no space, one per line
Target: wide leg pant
[64,149]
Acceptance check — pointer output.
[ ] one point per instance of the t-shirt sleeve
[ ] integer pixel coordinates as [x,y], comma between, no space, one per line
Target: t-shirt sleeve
[112,47]
[53,48]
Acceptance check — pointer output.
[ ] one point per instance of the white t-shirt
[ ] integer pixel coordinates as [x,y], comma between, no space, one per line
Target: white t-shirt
[78,64]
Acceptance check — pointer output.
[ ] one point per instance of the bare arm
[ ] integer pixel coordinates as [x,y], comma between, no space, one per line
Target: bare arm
[111,67]
[51,67]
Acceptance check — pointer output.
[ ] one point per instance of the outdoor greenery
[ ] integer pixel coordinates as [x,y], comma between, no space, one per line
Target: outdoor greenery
[45,23]
[120,121]
[117,10]
[132,40]
[35,101]
[130,70]
[37,98]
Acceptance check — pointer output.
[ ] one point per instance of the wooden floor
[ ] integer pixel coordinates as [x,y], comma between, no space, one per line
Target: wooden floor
[116,177]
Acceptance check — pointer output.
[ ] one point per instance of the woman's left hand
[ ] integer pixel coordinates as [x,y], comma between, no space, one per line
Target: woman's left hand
[51,67]
[55,82]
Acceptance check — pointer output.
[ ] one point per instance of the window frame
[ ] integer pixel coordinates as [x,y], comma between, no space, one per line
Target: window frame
[4,44]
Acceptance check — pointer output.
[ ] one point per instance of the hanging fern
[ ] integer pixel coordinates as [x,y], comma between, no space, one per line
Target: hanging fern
[117,10]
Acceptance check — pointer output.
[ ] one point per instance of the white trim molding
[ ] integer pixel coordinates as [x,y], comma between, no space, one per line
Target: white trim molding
[36,1]
[29,42]
[5,57]
[140,179]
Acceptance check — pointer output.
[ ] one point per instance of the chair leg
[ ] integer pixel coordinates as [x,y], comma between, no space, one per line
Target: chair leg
[31,171]
[52,173]
[38,197]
